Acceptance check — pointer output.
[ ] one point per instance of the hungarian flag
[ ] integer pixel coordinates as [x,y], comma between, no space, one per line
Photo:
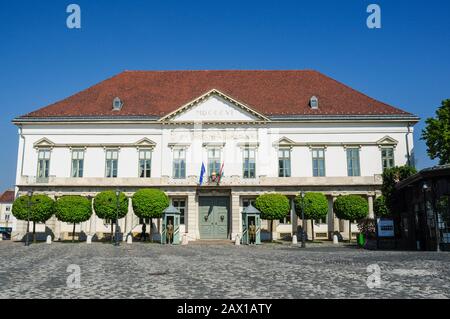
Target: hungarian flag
[220,174]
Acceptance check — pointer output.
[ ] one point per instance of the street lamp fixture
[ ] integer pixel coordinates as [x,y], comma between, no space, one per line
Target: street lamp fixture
[302,194]
[27,240]
[116,242]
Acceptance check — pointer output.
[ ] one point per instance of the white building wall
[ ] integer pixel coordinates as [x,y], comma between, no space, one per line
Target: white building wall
[267,157]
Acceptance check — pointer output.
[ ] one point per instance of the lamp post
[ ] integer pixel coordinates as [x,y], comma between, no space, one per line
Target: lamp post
[303,219]
[426,188]
[116,243]
[27,240]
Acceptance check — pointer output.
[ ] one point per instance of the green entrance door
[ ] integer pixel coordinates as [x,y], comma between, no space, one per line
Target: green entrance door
[213,217]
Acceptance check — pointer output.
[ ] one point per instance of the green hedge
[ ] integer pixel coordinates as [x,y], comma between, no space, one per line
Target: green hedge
[149,203]
[272,206]
[351,207]
[105,205]
[73,209]
[42,208]
[316,205]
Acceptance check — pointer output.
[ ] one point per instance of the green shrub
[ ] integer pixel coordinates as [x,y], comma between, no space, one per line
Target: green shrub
[149,203]
[41,209]
[105,205]
[73,209]
[272,206]
[315,205]
[391,177]
[380,208]
[351,207]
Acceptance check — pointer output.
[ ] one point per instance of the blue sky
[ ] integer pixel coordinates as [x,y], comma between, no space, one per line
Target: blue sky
[405,63]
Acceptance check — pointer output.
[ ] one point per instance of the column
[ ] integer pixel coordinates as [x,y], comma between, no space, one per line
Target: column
[371,212]
[346,228]
[92,221]
[192,218]
[294,218]
[128,220]
[235,216]
[333,221]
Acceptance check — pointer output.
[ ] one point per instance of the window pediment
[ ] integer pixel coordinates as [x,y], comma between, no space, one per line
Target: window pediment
[145,143]
[43,143]
[387,141]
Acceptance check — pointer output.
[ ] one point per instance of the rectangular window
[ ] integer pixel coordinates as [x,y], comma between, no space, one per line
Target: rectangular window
[284,163]
[112,161]
[8,208]
[286,219]
[77,163]
[249,163]
[43,164]
[387,157]
[6,217]
[144,220]
[318,158]
[214,161]
[180,204]
[179,163]
[145,163]
[353,167]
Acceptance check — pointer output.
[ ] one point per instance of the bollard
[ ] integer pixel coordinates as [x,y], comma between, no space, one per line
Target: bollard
[89,239]
[237,240]
[184,240]
[49,240]
[294,239]
[129,239]
[335,239]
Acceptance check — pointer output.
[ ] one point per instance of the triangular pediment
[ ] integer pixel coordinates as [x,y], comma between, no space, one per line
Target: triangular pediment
[145,142]
[214,106]
[388,141]
[43,142]
[284,141]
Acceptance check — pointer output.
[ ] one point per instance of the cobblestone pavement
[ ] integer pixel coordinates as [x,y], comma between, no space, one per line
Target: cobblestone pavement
[218,271]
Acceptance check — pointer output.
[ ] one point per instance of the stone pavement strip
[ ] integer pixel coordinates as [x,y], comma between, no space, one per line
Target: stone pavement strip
[218,271]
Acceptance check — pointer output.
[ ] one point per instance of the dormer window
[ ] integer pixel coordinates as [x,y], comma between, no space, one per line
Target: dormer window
[117,104]
[314,102]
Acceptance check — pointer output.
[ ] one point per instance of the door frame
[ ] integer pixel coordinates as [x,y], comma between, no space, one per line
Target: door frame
[229,217]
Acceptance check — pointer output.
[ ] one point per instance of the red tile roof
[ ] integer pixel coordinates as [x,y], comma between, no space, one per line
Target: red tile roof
[158,93]
[7,197]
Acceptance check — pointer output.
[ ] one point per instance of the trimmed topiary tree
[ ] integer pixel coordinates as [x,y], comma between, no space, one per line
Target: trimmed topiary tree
[149,203]
[272,206]
[41,208]
[351,207]
[316,207]
[74,210]
[105,206]
[380,208]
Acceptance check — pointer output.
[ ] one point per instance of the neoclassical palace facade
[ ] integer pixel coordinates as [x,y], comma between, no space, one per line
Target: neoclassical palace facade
[254,132]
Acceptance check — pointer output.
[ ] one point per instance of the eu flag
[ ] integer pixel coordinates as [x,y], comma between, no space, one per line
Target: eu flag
[202,173]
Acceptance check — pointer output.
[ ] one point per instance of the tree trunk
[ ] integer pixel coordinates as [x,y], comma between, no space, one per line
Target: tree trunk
[112,231]
[151,230]
[73,233]
[34,232]
[349,231]
[271,230]
[312,228]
